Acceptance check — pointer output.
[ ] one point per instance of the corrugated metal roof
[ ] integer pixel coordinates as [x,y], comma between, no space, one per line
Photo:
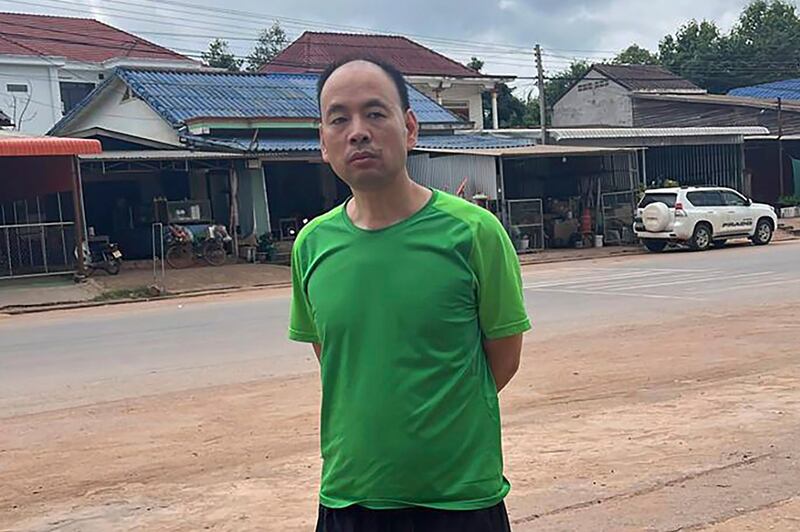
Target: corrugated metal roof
[182,95]
[314,51]
[425,142]
[159,155]
[616,133]
[12,146]
[540,150]
[719,99]
[646,78]
[77,39]
[788,89]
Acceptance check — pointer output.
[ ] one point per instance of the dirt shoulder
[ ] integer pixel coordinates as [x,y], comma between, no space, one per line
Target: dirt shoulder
[617,428]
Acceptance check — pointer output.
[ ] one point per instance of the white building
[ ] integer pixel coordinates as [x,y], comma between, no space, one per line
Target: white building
[605,96]
[49,64]
[452,85]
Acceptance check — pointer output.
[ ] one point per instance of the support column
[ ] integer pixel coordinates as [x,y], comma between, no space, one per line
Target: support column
[80,220]
[495,116]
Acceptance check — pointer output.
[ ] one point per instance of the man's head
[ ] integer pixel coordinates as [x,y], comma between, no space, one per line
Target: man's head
[367,126]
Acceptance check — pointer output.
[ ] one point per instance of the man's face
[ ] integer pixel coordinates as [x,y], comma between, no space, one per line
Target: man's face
[365,134]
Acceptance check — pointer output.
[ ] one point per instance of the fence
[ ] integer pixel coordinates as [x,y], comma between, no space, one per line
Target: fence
[525,217]
[35,239]
[618,213]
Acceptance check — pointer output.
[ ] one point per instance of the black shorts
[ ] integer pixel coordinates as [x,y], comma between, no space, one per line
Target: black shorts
[360,519]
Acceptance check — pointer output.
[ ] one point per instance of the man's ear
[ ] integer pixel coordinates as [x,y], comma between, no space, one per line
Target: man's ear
[412,130]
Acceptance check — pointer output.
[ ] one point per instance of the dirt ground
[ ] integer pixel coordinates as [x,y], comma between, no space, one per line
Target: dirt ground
[689,425]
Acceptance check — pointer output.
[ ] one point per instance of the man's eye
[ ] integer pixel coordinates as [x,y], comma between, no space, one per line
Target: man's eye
[338,120]
[376,114]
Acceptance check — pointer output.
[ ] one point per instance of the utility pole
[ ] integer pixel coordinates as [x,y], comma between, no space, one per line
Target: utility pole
[542,102]
[780,148]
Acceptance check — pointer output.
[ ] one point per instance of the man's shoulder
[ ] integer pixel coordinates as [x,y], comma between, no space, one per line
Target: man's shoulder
[476,217]
[307,233]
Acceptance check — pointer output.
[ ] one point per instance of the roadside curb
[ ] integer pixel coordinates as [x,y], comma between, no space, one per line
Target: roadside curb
[18,310]
[533,260]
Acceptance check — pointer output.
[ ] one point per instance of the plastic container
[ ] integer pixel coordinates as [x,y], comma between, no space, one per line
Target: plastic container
[598,241]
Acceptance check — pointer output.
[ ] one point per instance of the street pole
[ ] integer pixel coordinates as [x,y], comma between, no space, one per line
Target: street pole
[780,148]
[542,103]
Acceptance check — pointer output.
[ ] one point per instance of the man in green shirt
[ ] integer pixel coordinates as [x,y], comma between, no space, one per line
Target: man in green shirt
[413,302]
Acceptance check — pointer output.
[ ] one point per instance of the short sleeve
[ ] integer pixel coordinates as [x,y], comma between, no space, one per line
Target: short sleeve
[501,304]
[301,320]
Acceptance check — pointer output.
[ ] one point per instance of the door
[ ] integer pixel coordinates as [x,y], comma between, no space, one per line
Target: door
[738,215]
[709,206]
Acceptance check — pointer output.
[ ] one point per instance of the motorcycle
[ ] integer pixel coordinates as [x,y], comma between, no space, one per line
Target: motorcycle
[104,256]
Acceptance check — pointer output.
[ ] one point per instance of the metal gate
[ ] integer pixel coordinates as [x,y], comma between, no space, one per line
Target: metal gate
[526,222]
[618,213]
[33,243]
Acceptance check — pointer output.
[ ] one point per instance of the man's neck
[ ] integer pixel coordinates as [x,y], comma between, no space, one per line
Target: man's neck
[377,209]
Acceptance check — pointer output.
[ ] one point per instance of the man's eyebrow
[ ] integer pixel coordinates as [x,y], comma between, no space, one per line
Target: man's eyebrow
[376,102]
[335,108]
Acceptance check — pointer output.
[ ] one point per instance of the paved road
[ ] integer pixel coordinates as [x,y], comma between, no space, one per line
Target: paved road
[70,358]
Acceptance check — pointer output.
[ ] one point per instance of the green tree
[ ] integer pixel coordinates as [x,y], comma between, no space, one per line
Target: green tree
[635,55]
[219,55]
[475,64]
[698,52]
[764,45]
[271,41]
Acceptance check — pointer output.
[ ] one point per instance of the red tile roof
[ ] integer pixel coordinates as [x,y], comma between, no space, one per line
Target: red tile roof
[76,39]
[313,51]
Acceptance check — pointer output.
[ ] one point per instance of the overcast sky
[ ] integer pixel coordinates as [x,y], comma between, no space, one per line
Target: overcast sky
[459,29]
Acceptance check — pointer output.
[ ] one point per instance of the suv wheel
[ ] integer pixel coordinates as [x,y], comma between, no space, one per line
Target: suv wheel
[655,245]
[701,239]
[763,234]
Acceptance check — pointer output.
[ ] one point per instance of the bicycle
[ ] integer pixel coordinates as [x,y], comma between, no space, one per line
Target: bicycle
[184,248]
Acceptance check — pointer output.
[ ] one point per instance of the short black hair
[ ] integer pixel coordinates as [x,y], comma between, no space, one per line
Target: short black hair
[395,75]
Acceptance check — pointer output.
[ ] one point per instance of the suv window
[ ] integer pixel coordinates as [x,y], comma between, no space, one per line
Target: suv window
[698,199]
[733,200]
[666,198]
[706,198]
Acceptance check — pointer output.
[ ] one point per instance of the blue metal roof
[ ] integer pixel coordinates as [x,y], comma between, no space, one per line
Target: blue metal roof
[181,95]
[273,145]
[787,90]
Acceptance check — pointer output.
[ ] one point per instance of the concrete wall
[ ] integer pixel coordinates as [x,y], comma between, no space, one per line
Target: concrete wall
[594,101]
[43,98]
[468,93]
[131,117]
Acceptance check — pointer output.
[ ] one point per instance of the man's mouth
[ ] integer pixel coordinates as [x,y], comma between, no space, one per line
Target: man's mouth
[361,156]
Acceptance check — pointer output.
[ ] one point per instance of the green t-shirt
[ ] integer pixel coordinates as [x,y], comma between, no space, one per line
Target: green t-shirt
[410,414]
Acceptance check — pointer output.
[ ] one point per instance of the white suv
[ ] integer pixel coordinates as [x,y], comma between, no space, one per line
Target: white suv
[701,217]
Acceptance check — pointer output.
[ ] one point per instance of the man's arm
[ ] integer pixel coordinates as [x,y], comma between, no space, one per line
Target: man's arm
[504,356]
[317,350]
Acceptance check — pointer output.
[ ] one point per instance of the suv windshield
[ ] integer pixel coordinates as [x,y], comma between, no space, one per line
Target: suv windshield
[666,198]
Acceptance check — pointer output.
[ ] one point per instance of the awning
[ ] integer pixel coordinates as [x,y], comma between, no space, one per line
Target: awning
[158,155]
[539,150]
[12,146]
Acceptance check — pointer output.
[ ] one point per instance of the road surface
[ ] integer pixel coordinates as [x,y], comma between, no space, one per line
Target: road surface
[648,382]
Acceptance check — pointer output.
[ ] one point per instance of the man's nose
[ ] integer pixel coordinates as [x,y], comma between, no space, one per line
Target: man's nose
[359,134]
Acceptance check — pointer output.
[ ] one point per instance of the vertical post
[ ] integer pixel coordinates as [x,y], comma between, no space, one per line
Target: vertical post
[43,234]
[77,200]
[780,148]
[542,102]
[495,117]
[501,197]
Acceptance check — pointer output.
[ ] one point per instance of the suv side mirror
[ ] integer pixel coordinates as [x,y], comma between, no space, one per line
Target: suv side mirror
[748,202]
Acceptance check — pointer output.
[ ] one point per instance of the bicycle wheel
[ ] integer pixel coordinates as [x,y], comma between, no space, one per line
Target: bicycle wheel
[214,253]
[180,255]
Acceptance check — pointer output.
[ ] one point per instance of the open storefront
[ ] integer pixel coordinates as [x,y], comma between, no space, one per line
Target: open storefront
[41,217]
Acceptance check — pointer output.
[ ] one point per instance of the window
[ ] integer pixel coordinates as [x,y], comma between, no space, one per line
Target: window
[460,109]
[665,198]
[16,87]
[73,93]
[733,200]
[706,198]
